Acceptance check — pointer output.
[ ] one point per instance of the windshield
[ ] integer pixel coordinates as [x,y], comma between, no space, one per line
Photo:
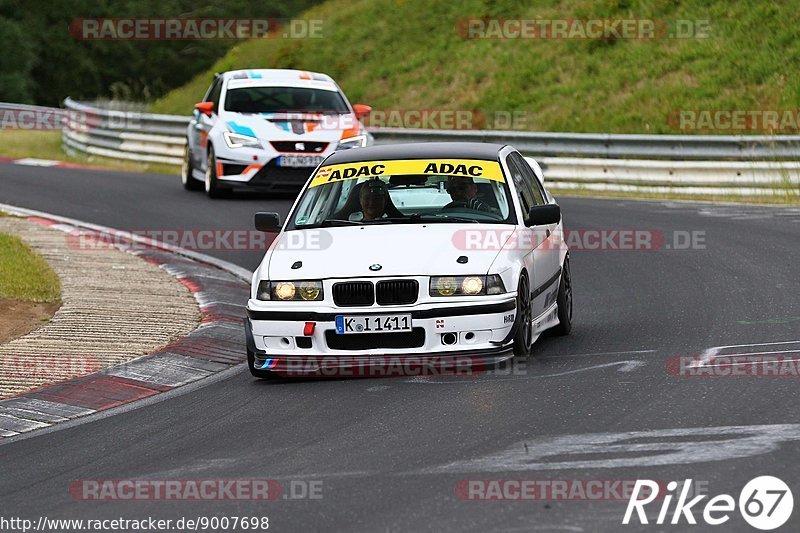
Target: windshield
[284,100]
[405,192]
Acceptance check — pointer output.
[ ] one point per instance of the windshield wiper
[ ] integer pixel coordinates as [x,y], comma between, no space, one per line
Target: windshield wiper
[332,222]
[420,218]
[442,218]
[323,111]
[337,222]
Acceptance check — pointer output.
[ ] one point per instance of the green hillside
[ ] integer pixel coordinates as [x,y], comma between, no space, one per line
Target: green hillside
[408,54]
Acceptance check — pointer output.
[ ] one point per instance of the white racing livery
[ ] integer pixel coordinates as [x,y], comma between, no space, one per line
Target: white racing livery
[433,252]
[267,129]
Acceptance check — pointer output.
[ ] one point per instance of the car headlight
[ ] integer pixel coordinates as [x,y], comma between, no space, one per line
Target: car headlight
[472,285]
[359,141]
[237,140]
[466,285]
[309,291]
[264,290]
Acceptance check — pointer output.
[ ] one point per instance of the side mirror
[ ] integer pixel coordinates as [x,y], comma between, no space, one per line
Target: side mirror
[268,222]
[543,215]
[361,110]
[205,107]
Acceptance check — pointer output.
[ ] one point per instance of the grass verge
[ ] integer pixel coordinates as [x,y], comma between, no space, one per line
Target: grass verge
[18,144]
[24,275]
[411,55]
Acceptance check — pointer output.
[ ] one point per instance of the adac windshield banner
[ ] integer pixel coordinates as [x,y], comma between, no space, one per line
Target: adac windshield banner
[472,168]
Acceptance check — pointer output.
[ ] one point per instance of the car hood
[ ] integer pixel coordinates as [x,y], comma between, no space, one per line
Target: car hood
[399,249]
[294,127]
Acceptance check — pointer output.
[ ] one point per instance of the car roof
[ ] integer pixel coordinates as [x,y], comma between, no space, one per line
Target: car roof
[276,74]
[434,150]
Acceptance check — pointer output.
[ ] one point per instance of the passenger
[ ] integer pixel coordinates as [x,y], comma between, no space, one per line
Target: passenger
[373,197]
[464,193]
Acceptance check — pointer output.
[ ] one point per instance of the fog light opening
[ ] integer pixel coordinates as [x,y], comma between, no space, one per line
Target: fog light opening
[469,336]
[449,338]
[285,341]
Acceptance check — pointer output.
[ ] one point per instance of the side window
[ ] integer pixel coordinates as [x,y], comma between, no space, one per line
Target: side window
[538,185]
[214,94]
[530,178]
[523,192]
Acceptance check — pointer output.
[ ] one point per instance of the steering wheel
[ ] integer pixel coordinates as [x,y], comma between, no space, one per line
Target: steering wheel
[456,204]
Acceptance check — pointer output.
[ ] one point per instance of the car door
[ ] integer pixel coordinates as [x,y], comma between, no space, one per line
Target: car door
[553,232]
[537,239]
[201,125]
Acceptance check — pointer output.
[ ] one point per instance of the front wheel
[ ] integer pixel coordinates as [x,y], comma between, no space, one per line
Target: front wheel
[187,179]
[213,190]
[564,302]
[524,334]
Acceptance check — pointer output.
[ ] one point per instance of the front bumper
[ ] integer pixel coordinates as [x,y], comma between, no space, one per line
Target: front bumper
[269,177]
[481,332]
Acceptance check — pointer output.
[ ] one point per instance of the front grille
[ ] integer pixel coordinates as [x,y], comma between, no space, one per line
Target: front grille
[353,293]
[306,147]
[280,179]
[396,291]
[370,341]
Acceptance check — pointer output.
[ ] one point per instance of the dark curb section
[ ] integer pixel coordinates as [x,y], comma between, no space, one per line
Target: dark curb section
[216,345]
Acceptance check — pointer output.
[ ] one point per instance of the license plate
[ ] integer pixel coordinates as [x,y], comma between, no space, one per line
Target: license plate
[299,161]
[372,324]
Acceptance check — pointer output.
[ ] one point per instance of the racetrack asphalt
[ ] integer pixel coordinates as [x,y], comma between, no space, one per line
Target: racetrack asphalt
[390,453]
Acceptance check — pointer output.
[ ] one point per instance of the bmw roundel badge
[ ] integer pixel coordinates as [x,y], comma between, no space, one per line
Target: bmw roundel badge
[375,267]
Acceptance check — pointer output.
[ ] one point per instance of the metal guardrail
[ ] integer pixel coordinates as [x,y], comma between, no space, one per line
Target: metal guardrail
[696,164]
[612,146]
[127,135]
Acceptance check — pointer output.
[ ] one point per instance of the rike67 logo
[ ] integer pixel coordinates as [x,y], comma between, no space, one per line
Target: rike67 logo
[765,503]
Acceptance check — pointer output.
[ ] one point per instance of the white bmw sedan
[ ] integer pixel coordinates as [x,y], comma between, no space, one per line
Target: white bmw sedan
[434,252]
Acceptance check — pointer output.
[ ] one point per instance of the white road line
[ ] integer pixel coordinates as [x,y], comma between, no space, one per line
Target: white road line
[32,162]
[746,363]
[756,344]
[645,449]
[625,366]
[710,354]
[595,354]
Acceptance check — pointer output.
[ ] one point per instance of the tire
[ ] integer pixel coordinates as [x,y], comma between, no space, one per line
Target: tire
[564,302]
[251,364]
[188,181]
[213,190]
[524,334]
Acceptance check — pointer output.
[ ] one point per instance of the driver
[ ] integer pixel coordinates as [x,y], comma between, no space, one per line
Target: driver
[301,99]
[373,197]
[464,193]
